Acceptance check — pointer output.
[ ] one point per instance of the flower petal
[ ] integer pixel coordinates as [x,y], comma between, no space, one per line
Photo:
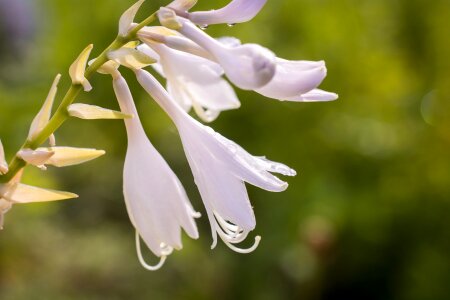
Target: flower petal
[294,78]
[315,95]
[237,11]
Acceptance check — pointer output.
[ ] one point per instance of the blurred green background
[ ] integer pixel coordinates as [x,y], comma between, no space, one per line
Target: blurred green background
[368,216]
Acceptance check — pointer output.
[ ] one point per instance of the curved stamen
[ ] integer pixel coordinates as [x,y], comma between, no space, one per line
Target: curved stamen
[234,234]
[241,250]
[141,258]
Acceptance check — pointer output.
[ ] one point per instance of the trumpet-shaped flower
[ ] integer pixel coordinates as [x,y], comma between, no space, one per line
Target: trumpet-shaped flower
[156,201]
[248,66]
[195,82]
[220,168]
[237,11]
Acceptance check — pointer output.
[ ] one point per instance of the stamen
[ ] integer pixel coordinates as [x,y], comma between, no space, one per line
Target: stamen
[233,234]
[141,258]
[240,250]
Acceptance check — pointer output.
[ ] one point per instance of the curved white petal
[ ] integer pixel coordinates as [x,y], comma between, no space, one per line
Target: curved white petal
[315,95]
[294,78]
[156,201]
[249,66]
[237,11]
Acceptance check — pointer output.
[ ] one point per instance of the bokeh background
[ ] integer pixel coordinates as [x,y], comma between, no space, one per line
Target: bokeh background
[368,216]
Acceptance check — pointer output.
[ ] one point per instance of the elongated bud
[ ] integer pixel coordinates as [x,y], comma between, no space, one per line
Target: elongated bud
[3,164]
[182,5]
[41,119]
[128,17]
[92,112]
[78,68]
[69,156]
[35,157]
[168,18]
[237,11]
[131,58]
[22,193]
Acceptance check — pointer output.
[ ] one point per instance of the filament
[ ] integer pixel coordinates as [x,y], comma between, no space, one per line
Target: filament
[141,258]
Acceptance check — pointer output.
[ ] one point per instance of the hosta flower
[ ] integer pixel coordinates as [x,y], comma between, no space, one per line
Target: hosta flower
[156,201]
[195,82]
[248,66]
[253,67]
[220,168]
[293,80]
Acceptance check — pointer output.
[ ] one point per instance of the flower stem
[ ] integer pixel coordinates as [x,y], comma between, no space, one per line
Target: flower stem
[61,115]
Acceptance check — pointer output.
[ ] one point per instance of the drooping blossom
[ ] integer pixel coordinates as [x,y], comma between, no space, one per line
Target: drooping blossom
[220,169]
[251,67]
[156,201]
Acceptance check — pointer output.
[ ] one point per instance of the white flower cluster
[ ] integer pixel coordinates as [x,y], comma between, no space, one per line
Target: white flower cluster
[194,66]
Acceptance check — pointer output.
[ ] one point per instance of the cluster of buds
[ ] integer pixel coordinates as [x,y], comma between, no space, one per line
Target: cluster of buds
[194,66]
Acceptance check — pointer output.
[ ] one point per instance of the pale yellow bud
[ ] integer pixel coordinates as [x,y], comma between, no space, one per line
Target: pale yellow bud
[131,58]
[78,68]
[92,112]
[22,193]
[69,156]
[168,18]
[41,119]
[127,18]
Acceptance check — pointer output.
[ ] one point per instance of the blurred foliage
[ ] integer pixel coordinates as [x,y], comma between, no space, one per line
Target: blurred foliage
[366,218]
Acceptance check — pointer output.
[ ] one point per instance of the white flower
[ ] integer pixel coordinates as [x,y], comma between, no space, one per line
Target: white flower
[293,80]
[237,11]
[195,82]
[156,201]
[220,168]
[248,66]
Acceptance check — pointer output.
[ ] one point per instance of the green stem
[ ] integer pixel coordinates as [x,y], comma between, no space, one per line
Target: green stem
[61,114]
